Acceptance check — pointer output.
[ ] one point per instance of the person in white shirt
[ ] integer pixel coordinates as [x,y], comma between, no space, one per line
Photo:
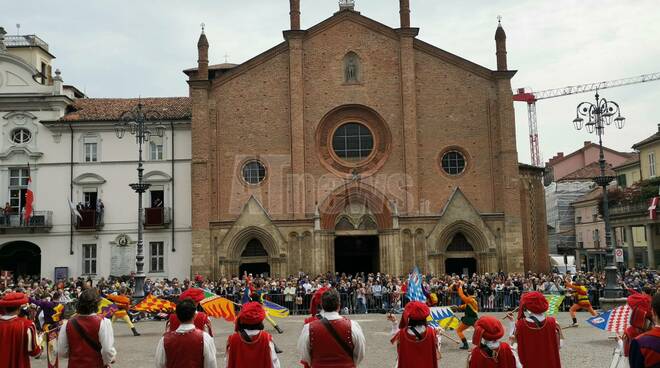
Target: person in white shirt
[324,348]
[87,339]
[250,345]
[181,348]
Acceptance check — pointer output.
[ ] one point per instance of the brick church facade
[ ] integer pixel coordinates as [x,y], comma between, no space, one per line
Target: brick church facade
[354,146]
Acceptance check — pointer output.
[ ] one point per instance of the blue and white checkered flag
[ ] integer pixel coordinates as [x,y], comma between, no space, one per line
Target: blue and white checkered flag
[415,291]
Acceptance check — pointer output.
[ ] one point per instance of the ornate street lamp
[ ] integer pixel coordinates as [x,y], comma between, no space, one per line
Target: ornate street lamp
[599,115]
[143,124]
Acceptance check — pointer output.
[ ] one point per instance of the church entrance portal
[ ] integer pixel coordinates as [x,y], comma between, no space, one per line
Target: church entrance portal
[21,258]
[460,266]
[254,259]
[356,254]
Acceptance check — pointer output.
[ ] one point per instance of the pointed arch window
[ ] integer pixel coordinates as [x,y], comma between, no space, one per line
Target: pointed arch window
[460,244]
[352,68]
[254,248]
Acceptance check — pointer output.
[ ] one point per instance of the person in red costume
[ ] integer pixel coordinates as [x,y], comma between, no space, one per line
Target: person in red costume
[315,306]
[333,341]
[418,345]
[488,351]
[645,348]
[641,317]
[201,320]
[251,346]
[187,346]
[87,338]
[539,337]
[17,334]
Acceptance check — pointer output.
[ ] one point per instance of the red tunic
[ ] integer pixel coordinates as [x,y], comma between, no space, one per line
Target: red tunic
[505,359]
[254,354]
[184,349]
[201,322]
[538,347]
[311,319]
[14,342]
[81,354]
[325,351]
[630,334]
[414,353]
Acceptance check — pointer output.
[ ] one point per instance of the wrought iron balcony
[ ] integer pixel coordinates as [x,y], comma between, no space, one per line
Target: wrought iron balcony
[40,220]
[155,217]
[632,209]
[90,220]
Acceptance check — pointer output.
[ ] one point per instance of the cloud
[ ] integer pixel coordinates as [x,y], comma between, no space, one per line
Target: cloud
[129,48]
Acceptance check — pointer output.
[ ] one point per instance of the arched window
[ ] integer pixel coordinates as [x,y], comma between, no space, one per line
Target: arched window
[460,244]
[254,249]
[351,68]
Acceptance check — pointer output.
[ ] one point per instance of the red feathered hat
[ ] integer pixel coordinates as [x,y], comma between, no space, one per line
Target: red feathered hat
[251,313]
[641,309]
[12,299]
[197,295]
[489,328]
[316,300]
[534,302]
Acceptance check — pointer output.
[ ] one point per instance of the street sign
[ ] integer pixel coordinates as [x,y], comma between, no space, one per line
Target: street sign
[618,255]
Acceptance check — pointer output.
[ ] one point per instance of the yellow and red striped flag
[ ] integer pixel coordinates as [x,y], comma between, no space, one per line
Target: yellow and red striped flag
[154,305]
[218,307]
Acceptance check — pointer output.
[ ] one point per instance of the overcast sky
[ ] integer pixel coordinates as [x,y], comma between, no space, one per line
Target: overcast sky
[128,48]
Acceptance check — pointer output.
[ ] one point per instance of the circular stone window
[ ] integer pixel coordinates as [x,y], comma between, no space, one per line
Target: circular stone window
[21,136]
[453,162]
[352,142]
[254,172]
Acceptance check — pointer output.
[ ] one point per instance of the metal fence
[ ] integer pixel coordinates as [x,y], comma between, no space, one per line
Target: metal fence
[352,303]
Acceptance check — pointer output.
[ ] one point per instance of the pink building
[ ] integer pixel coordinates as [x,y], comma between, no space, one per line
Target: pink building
[562,165]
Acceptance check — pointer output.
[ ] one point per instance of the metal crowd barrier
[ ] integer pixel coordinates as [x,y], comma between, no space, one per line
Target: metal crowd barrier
[352,303]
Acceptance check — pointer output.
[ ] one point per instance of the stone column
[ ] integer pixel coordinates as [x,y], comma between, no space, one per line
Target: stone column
[650,245]
[630,246]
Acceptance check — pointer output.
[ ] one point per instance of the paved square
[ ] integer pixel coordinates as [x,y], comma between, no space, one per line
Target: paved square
[584,346]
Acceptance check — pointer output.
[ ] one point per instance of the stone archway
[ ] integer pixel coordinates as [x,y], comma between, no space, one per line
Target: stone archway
[464,248]
[254,249]
[22,258]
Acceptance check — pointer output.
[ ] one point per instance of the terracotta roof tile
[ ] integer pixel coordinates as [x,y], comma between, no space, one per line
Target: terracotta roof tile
[634,158]
[588,172]
[108,109]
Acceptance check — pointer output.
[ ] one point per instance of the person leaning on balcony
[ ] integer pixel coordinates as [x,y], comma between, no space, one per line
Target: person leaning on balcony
[100,208]
[6,212]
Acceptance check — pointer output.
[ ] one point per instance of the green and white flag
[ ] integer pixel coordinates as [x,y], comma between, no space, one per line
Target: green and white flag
[554,302]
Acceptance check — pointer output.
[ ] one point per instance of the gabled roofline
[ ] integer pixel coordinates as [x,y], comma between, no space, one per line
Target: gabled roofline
[369,23]
[582,149]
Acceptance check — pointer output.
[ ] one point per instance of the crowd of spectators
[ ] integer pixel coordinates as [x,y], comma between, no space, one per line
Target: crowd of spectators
[360,293]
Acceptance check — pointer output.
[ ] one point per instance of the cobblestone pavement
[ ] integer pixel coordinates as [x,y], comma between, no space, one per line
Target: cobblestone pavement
[584,346]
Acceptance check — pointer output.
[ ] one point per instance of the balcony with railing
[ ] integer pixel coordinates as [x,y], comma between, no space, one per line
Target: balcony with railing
[89,220]
[25,41]
[40,221]
[157,217]
[630,209]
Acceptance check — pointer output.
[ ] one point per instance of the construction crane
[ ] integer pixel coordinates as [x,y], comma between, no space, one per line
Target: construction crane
[531,98]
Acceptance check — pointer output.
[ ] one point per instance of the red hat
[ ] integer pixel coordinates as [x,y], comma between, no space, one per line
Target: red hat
[534,302]
[251,313]
[414,310]
[12,299]
[641,310]
[197,295]
[489,328]
[316,300]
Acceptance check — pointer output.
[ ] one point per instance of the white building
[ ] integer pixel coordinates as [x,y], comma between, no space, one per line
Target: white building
[73,154]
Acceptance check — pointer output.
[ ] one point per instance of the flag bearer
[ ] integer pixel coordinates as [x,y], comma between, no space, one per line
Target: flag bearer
[641,317]
[581,296]
[123,301]
[418,345]
[471,308]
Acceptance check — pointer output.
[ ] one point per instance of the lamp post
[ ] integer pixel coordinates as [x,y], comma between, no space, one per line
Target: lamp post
[601,114]
[142,124]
